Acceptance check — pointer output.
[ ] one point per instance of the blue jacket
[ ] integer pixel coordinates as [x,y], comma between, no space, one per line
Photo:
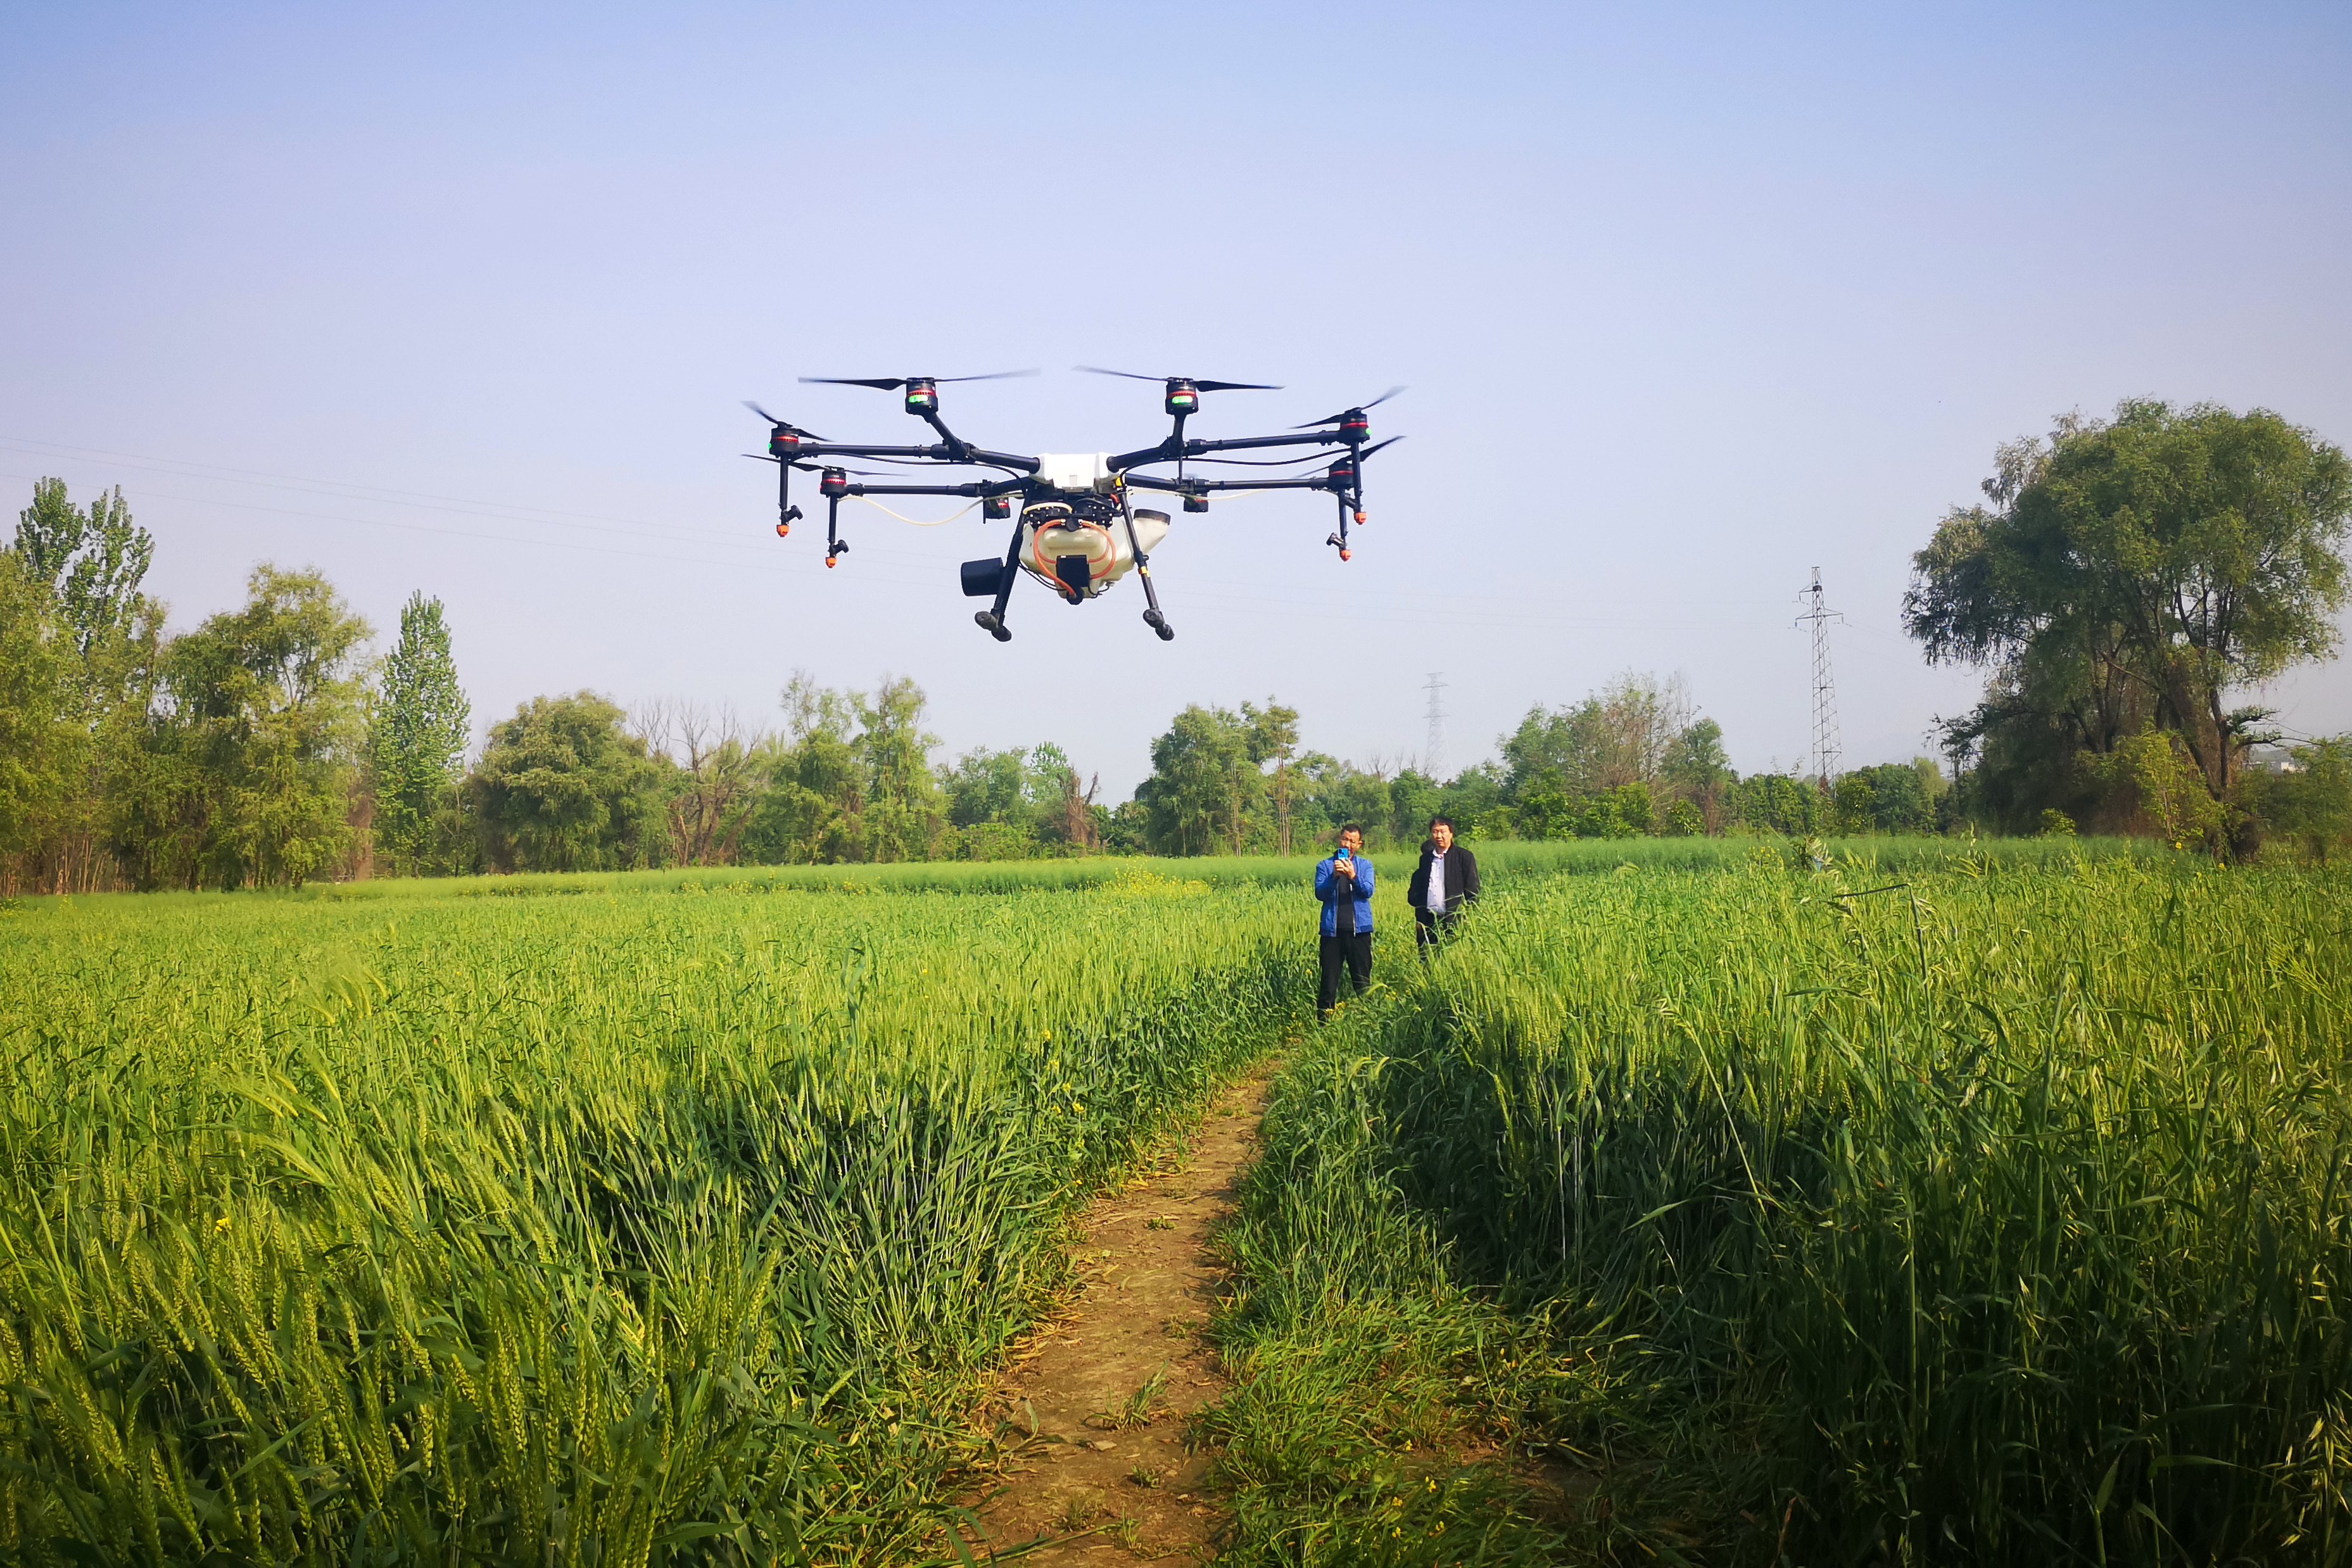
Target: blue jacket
[1327,890]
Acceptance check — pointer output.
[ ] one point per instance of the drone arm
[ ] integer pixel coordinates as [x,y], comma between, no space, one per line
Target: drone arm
[1202,486]
[1172,450]
[976,488]
[817,451]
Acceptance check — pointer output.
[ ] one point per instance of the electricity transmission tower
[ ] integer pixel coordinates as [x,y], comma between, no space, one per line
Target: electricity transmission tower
[1432,751]
[1828,754]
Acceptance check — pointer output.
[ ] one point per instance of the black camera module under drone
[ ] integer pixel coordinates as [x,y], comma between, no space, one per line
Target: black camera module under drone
[1077,531]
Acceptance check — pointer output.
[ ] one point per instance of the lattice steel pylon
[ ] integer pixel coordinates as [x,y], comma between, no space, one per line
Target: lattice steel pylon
[1828,754]
[1432,751]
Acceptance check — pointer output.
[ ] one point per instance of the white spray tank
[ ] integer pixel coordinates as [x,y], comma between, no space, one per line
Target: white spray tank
[1051,535]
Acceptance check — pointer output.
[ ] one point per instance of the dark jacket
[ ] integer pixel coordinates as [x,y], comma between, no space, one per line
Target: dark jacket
[1331,889]
[1461,879]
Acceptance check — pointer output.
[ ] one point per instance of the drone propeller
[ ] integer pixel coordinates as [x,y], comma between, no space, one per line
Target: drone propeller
[1198,386]
[808,467]
[1341,417]
[1370,450]
[893,383]
[780,424]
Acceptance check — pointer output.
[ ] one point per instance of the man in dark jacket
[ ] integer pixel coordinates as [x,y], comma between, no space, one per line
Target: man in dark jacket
[1343,886]
[1444,885]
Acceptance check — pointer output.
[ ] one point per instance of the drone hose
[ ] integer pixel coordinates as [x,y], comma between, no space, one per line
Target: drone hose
[916,521]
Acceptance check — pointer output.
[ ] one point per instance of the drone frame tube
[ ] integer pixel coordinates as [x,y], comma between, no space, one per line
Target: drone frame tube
[1173,450]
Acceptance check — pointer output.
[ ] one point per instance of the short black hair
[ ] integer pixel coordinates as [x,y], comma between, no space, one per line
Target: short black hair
[1347,828]
[1440,817]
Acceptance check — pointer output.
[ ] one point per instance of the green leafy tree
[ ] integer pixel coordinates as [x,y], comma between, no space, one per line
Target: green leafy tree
[1474,799]
[1620,734]
[91,564]
[564,786]
[2130,573]
[2310,802]
[1889,798]
[253,755]
[1413,801]
[1775,803]
[1698,772]
[1206,786]
[94,560]
[1274,737]
[814,791]
[902,815]
[852,780]
[417,737]
[986,785]
[37,733]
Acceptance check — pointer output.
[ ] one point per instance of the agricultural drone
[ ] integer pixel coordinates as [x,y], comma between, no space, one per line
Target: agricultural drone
[1077,531]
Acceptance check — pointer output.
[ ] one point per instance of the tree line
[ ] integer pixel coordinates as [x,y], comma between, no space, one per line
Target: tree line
[2128,577]
[268,746]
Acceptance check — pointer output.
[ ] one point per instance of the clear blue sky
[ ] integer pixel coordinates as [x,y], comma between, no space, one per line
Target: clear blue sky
[1688,299]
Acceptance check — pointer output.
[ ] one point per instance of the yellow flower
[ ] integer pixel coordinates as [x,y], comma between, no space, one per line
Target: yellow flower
[221,1224]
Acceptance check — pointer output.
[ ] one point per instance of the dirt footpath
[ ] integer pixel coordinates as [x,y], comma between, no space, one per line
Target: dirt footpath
[1095,1400]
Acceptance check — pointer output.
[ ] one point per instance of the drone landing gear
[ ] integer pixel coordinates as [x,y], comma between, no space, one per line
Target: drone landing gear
[1152,617]
[991,619]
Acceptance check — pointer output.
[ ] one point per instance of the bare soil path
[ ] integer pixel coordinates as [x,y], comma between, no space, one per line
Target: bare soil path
[1094,1404]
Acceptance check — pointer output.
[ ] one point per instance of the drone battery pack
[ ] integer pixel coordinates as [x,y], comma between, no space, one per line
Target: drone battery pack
[983,578]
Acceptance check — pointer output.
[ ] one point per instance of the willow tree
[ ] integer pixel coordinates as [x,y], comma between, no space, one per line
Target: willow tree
[2137,572]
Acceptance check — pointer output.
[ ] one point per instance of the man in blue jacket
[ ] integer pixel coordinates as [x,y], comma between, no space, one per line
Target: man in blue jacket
[1343,885]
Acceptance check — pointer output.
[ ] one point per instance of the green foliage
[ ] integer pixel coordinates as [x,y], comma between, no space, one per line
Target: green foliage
[1012,804]
[250,765]
[668,1228]
[2310,805]
[564,786]
[2157,772]
[1803,1226]
[92,561]
[417,738]
[1891,797]
[2131,574]
[36,705]
[1775,803]
[851,780]
[95,671]
[1206,792]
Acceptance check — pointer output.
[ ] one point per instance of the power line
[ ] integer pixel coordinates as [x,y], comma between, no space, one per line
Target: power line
[1828,754]
[1432,751]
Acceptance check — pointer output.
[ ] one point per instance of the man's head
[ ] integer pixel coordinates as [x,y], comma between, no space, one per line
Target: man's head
[1351,839]
[1441,832]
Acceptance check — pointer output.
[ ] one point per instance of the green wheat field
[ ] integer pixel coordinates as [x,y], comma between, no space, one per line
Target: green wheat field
[1715,1202]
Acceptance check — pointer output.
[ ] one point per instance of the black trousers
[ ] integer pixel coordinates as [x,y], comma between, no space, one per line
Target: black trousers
[1429,930]
[1355,953]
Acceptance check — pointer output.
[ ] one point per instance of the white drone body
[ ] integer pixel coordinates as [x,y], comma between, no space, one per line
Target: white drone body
[1054,531]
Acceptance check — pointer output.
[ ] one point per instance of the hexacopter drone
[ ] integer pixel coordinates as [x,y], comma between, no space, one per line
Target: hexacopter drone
[1079,531]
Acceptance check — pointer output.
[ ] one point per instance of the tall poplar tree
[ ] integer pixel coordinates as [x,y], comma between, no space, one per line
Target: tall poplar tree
[419,734]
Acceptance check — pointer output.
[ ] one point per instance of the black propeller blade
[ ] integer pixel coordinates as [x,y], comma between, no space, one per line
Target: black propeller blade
[1341,417]
[818,468]
[774,420]
[1198,386]
[1370,450]
[893,383]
